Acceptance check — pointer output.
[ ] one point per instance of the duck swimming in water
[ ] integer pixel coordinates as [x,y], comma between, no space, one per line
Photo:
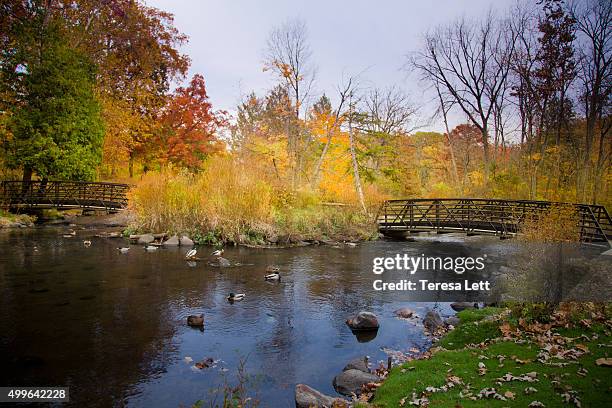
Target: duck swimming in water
[191,254]
[234,297]
[218,252]
[275,276]
[124,250]
[150,248]
[87,243]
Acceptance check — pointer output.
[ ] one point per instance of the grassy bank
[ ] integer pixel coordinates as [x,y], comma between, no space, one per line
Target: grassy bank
[512,360]
[8,220]
[228,202]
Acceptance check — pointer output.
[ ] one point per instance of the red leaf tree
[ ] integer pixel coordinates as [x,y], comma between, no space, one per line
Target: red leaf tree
[189,126]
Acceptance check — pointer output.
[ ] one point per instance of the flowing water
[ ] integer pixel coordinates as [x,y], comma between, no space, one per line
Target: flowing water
[112,326]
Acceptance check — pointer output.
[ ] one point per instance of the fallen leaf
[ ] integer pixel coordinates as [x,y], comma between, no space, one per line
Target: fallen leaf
[604,361]
[509,395]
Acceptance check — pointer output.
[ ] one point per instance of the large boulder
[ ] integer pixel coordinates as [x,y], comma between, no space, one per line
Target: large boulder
[145,239]
[363,321]
[172,241]
[307,397]
[452,321]
[432,321]
[186,241]
[350,381]
[405,313]
[360,364]
[459,306]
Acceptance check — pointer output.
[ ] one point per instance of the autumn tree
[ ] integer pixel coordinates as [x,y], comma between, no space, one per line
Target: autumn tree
[467,140]
[189,126]
[593,19]
[289,57]
[469,62]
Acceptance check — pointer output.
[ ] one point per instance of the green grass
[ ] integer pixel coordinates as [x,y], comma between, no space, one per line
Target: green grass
[472,329]
[593,389]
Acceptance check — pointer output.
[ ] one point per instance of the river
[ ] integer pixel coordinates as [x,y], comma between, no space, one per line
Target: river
[112,326]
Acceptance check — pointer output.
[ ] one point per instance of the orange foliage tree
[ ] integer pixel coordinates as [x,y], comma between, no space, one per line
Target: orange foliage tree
[189,127]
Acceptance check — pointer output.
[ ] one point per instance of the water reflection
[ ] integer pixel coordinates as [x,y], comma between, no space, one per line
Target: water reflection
[112,326]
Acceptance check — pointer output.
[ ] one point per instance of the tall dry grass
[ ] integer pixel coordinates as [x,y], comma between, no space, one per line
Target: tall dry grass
[232,202]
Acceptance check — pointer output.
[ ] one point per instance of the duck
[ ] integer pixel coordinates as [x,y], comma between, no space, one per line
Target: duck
[87,243]
[218,252]
[150,248]
[191,254]
[273,276]
[71,234]
[123,250]
[234,297]
[195,320]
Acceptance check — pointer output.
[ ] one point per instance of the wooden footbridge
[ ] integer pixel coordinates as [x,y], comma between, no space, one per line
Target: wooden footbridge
[483,216]
[30,195]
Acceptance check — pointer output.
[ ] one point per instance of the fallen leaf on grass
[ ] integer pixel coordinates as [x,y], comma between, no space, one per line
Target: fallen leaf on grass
[604,361]
[536,404]
[509,395]
[530,390]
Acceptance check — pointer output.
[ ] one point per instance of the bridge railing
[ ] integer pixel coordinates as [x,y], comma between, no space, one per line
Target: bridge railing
[63,194]
[501,217]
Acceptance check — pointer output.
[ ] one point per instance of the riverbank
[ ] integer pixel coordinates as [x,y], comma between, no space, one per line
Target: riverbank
[8,220]
[503,357]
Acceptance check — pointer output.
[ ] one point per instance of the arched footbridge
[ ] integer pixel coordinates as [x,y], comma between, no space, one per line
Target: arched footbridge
[30,195]
[483,216]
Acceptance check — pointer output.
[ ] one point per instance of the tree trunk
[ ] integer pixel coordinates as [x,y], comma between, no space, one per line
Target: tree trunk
[448,138]
[485,148]
[356,176]
[317,170]
[131,165]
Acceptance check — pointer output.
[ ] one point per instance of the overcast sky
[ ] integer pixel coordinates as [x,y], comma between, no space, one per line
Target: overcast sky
[227,40]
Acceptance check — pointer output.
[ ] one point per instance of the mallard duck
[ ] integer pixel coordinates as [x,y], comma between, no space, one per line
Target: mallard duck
[273,276]
[191,254]
[150,248]
[218,252]
[87,243]
[195,320]
[233,297]
[123,250]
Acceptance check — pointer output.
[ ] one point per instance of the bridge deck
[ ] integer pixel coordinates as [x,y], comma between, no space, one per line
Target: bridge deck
[491,216]
[63,195]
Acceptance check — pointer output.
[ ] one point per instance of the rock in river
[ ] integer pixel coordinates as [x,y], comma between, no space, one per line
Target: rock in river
[350,381]
[459,306]
[452,321]
[307,397]
[145,239]
[363,321]
[405,313]
[172,241]
[432,321]
[360,364]
[195,320]
[186,241]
